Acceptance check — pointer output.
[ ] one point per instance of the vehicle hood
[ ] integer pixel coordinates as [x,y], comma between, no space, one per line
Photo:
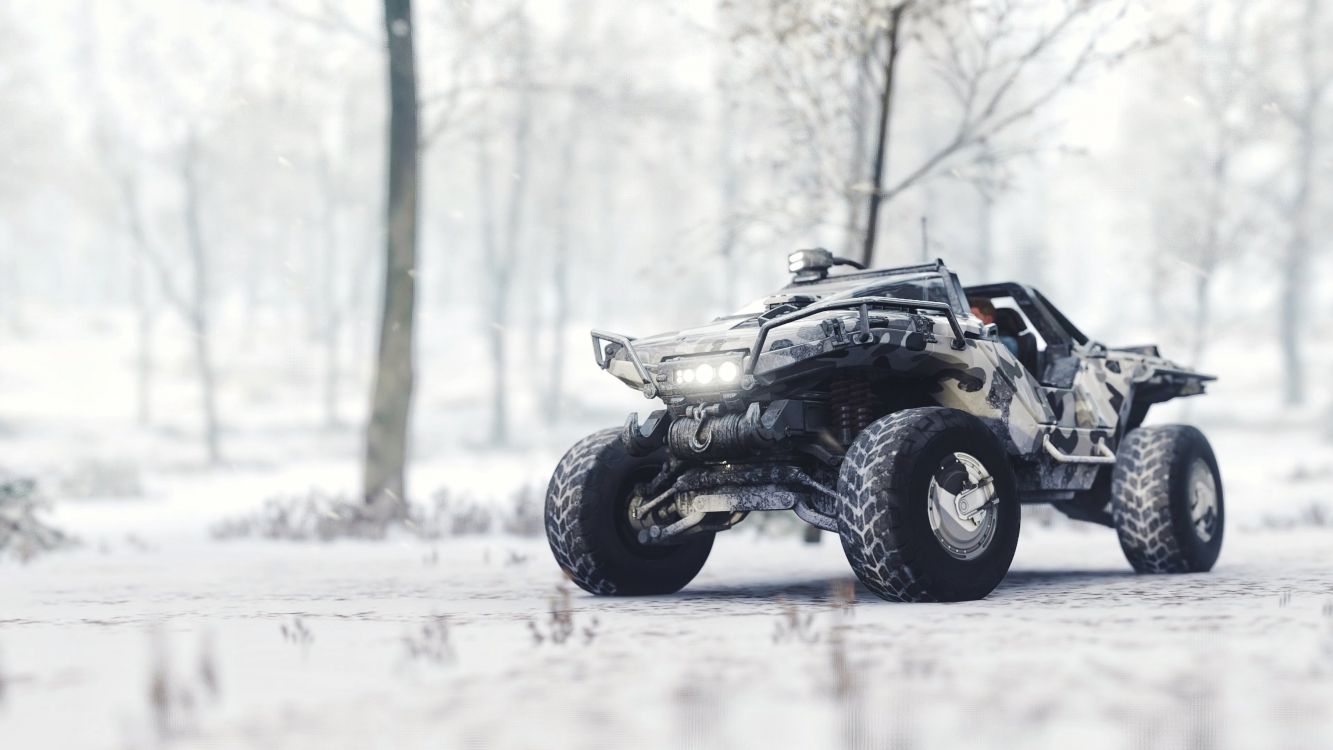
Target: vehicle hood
[786,345]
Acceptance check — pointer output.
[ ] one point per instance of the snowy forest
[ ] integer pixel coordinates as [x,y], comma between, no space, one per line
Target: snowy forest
[294,309]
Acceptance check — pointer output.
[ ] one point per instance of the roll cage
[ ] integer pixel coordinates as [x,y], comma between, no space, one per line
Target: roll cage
[868,284]
[1060,335]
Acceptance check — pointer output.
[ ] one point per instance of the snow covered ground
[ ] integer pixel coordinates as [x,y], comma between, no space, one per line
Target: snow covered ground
[412,644]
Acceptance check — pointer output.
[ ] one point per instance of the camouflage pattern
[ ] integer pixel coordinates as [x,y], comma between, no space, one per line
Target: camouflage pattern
[983,378]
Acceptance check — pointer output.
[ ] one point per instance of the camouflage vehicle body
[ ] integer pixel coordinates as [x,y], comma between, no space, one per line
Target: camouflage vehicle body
[763,407]
[1086,397]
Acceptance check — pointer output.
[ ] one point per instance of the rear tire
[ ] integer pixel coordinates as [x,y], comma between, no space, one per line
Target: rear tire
[900,478]
[587,519]
[1166,499]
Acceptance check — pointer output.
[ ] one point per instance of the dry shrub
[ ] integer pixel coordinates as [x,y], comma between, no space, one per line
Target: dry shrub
[315,516]
[431,642]
[94,478]
[526,517]
[455,515]
[22,534]
[1326,643]
[321,516]
[299,633]
[793,625]
[4,682]
[559,626]
[177,697]
[1311,515]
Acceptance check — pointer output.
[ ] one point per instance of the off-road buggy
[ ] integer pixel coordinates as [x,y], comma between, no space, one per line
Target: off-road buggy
[878,405]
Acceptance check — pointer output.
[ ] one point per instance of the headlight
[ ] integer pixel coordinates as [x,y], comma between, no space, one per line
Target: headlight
[704,374]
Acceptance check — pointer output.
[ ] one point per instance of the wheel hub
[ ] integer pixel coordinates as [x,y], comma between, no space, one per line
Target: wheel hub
[1203,500]
[961,506]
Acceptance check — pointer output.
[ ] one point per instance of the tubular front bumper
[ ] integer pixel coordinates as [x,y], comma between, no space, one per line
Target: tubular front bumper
[599,341]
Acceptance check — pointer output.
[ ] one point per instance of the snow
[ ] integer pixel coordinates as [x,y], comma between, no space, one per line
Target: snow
[1072,649]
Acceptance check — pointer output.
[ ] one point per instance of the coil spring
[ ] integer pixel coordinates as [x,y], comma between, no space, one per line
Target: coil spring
[853,403]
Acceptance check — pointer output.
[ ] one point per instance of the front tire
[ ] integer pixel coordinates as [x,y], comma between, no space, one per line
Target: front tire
[1166,499]
[929,507]
[587,523]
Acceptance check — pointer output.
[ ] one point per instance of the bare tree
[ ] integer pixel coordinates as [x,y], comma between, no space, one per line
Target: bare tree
[1000,63]
[145,307]
[192,300]
[199,308]
[570,63]
[1303,110]
[892,34]
[1203,204]
[109,145]
[985,223]
[731,182]
[24,145]
[385,485]
[502,251]
[553,398]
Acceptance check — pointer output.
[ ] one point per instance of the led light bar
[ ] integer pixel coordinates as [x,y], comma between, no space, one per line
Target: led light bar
[706,373]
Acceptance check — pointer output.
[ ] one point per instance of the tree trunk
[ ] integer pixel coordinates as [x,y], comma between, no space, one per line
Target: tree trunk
[498,275]
[554,397]
[856,173]
[141,296]
[200,318]
[385,483]
[253,275]
[332,370]
[729,186]
[1296,261]
[1295,270]
[729,197]
[986,216]
[505,264]
[143,392]
[985,236]
[1211,252]
[606,296]
[882,142]
[330,333]
[1202,315]
[9,287]
[499,359]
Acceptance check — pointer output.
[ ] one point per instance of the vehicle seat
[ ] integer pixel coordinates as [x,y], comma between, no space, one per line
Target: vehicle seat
[1060,373]
[1011,326]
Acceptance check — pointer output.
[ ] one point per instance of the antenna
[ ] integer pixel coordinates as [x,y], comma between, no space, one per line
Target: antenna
[925,240]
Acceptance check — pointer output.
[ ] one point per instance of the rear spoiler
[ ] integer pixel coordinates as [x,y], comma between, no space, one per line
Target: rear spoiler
[1175,373]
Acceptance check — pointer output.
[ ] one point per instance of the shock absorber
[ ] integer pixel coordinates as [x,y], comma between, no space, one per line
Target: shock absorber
[853,402]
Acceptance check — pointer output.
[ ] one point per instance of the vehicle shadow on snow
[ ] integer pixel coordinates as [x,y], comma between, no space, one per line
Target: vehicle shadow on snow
[811,591]
[1019,585]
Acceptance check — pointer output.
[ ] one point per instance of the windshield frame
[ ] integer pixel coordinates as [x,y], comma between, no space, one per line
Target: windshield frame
[871,282]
